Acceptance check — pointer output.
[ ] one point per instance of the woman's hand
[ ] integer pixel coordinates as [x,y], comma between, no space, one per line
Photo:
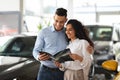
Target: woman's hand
[58,64]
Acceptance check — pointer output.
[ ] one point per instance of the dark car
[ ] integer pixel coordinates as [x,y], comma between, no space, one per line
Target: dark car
[101,35]
[16,60]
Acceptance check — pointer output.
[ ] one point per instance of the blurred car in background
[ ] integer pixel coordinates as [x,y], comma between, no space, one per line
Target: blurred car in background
[16,60]
[116,39]
[101,35]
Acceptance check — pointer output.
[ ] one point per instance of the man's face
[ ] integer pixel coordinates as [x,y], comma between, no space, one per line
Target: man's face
[59,22]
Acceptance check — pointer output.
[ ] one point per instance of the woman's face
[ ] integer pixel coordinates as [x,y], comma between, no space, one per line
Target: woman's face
[70,32]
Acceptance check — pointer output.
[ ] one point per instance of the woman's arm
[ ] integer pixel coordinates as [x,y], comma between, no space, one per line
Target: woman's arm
[80,58]
[76,57]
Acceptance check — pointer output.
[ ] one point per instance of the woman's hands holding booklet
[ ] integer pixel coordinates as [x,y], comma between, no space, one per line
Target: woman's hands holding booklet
[58,64]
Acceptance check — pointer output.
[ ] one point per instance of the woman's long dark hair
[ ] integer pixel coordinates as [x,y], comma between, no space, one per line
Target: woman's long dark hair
[81,31]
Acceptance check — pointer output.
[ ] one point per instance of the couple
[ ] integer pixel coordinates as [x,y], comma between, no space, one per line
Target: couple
[53,39]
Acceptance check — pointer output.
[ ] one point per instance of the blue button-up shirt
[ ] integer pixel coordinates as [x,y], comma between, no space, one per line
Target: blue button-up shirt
[51,41]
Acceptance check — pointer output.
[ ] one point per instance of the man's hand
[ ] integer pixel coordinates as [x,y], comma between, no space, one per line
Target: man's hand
[90,49]
[43,56]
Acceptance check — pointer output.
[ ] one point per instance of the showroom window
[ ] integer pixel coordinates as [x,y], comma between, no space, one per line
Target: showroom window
[39,13]
[96,11]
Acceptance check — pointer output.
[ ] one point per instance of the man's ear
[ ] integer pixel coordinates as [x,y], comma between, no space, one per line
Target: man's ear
[53,17]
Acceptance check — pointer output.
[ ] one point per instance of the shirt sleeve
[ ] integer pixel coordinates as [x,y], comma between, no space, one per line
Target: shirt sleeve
[63,67]
[87,59]
[38,45]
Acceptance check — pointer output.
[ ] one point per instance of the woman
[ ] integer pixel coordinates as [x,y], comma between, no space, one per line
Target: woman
[78,42]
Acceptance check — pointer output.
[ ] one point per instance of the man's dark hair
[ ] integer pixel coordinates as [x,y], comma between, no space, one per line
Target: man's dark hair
[61,12]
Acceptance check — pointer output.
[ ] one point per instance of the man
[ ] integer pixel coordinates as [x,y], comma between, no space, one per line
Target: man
[52,40]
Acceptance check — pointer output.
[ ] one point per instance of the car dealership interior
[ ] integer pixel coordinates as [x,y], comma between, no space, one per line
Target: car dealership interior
[101,17]
[28,15]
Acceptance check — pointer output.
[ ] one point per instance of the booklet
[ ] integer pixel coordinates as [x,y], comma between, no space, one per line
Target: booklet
[61,56]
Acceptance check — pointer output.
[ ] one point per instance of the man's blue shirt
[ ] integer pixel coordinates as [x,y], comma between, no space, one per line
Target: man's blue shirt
[51,41]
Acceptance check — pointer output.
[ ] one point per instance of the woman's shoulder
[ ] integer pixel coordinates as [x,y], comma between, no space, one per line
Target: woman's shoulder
[82,41]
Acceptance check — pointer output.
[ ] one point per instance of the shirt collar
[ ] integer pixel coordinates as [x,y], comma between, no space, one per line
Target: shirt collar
[53,29]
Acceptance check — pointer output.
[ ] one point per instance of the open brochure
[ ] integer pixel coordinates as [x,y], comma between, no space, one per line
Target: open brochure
[61,56]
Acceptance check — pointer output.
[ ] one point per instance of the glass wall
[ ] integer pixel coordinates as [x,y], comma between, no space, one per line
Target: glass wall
[10,22]
[40,12]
